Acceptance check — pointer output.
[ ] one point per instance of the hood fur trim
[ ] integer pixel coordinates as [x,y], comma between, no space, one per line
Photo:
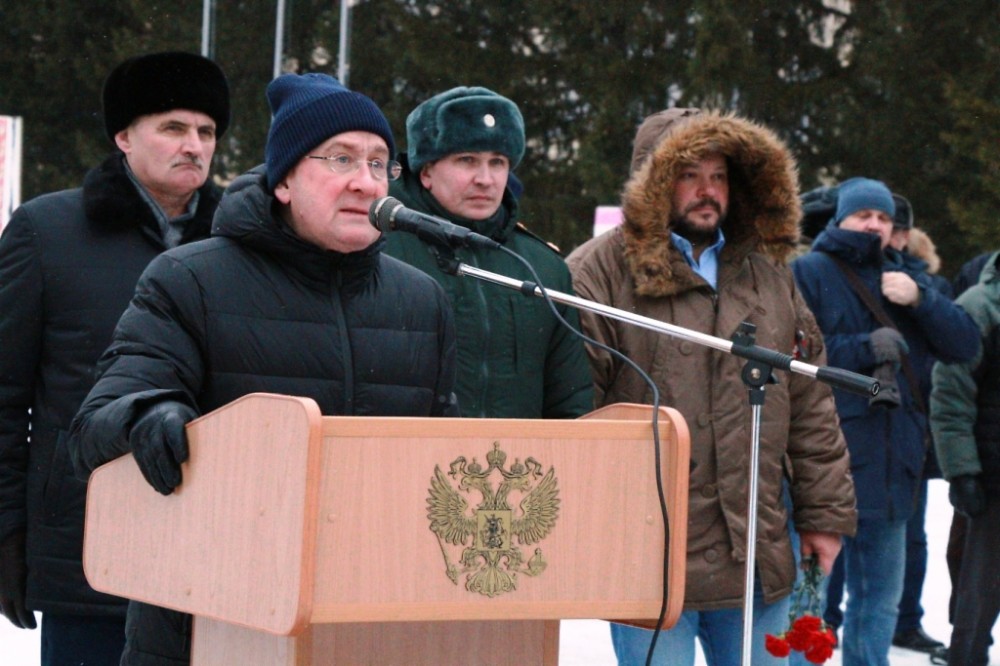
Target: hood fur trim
[764,209]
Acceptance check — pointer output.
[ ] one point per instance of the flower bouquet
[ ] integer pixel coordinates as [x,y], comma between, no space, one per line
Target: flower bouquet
[807,632]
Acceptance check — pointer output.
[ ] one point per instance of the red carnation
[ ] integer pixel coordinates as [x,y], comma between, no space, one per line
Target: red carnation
[800,636]
[821,647]
[807,623]
[777,646]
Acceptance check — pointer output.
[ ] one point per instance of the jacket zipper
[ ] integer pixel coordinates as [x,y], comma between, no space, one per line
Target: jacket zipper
[484,366]
[347,355]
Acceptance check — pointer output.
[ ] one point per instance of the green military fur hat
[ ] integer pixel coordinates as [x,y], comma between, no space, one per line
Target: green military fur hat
[464,119]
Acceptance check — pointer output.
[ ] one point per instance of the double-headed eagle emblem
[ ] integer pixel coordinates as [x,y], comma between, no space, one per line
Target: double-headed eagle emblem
[491,561]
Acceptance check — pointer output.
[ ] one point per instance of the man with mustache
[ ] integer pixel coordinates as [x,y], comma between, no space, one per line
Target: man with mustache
[711,216]
[69,262]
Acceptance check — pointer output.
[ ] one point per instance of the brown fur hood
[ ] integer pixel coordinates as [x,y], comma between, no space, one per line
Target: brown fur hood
[764,210]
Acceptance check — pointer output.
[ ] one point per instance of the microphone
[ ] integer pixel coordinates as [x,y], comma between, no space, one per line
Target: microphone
[388,213]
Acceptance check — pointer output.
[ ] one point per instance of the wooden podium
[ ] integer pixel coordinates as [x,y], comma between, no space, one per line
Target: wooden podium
[302,539]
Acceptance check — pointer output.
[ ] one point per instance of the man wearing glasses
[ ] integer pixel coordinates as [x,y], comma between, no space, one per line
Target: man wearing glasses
[515,360]
[291,295]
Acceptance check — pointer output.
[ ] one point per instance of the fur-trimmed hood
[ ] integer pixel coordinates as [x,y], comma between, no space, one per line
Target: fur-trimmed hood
[764,208]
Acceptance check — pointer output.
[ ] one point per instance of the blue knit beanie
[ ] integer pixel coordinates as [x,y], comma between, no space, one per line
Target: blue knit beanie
[461,120]
[308,109]
[863,194]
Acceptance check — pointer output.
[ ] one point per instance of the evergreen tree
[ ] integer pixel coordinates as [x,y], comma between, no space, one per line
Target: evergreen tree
[901,90]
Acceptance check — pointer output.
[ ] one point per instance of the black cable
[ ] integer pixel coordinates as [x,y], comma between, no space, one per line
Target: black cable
[529,289]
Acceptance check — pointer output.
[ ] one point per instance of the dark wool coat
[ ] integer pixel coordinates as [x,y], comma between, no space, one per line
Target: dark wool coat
[888,446]
[69,262]
[636,268]
[255,308]
[515,360]
[911,264]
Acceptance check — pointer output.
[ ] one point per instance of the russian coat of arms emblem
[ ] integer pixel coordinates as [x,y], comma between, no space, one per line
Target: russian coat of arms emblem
[519,507]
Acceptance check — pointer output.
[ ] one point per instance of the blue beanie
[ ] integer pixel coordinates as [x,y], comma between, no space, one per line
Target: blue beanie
[308,109]
[863,194]
[464,119]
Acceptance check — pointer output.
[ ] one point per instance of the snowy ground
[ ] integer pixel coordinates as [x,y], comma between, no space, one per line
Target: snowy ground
[587,642]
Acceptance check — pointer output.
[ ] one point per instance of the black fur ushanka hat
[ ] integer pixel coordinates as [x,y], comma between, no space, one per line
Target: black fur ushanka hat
[159,82]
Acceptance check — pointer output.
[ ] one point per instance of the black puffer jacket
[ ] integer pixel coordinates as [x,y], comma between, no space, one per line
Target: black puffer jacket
[69,262]
[255,308]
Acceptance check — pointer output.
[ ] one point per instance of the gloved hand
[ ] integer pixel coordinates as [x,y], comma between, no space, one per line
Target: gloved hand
[888,394]
[888,345]
[159,443]
[13,579]
[965,492]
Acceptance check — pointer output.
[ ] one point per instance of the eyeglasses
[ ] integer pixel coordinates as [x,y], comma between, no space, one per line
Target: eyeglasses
[381,169]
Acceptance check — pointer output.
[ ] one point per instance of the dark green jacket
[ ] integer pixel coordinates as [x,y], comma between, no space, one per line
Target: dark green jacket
[515,360]
[965,398]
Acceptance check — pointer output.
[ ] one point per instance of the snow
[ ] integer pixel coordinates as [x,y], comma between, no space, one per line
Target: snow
[587,642]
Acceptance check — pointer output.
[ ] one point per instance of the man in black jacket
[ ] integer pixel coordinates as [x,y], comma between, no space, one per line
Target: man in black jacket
[69,262]
[292,295]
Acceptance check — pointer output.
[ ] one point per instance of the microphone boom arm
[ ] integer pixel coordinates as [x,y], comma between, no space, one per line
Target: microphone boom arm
[836,377]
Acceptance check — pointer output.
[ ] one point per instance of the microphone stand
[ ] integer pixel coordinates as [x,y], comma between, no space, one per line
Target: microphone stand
[739,346]
[756,373]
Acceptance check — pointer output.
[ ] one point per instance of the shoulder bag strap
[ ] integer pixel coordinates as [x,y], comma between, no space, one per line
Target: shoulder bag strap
[866,296]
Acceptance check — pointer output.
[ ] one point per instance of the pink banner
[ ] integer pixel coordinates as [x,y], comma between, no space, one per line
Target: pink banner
[10,167]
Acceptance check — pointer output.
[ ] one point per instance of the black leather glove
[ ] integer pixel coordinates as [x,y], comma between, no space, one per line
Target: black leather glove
[965,492]
[888,345]
[159,443]
[13,580]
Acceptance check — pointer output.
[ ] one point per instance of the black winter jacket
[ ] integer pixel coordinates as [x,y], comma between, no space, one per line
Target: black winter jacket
[256,308]
[69,262]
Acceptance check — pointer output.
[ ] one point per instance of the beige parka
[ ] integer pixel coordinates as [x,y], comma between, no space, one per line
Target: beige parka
[636,268]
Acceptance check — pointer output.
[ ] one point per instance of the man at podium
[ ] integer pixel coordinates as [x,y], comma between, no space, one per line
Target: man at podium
[291,295]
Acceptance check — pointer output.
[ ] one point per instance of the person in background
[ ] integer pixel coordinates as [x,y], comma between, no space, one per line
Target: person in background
[970,273]
[711,215]
[292,294]
[69,262]
[515,359]
[966,422]
[886,321]
[968,276]
[911,249]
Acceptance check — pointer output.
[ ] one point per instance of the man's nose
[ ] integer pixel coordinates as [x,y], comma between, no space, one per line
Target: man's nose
[483,174]
[193,142]
[364,179]
[707,188]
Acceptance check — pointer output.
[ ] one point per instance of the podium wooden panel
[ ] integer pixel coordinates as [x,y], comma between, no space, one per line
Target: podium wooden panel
[297,538]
